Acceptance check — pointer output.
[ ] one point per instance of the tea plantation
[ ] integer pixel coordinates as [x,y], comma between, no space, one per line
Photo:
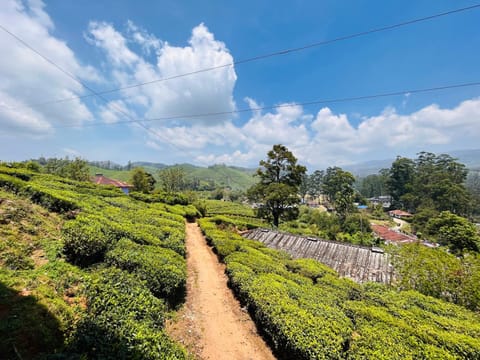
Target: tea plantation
[306,311]
[86,271]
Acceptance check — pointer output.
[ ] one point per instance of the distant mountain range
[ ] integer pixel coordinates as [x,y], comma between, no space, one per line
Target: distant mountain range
[240,178]
[471,159]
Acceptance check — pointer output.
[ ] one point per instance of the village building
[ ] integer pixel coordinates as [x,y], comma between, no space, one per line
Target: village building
[392,236]
[103,180]
[400,214]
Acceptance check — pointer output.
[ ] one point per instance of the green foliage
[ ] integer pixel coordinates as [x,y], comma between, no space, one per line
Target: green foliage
[454,231]
[338,186]
[280,178]
[306,312]
[400,176]
[315,182]
[163,270]
[355,228]
[96,223]
[161,197]
[142,181]
[216,207]
[172,179]
[124,320]
[437,273]
[76,169]
[86,239]
[373,185]
[429,181]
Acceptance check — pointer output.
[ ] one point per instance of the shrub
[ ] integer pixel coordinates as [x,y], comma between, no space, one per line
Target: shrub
[124,321]
[86,239]
[163,270]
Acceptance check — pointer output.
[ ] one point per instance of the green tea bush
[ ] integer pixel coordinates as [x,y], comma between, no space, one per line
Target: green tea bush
[86,239]
[11,184]
[163,270]
[124,321]
[306,311]
[19,173]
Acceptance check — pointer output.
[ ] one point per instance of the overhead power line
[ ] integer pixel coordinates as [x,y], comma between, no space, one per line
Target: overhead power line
[272,107]
[254,58]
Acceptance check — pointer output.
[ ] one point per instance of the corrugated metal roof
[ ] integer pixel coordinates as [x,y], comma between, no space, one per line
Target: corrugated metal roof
[390,235]
[355,262]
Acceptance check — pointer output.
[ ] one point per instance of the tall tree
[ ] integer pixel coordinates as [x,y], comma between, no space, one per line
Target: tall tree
[454,231]
[399,179]
[141,180]
[373,185]
[280,178]
[304,186]
[172,179]
[431,181]
[315,183]
[338,187]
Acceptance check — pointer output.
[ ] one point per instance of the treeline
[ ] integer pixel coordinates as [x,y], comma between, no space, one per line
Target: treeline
[437,182]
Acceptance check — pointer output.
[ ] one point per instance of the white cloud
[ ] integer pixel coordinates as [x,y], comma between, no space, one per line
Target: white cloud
[114,111]
[28,79]
[148,42]
[104,36]
[333,140]
[202,93]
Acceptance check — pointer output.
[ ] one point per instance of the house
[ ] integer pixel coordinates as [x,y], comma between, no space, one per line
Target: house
[391,236]
[102,180]
[400,214]
[384,200]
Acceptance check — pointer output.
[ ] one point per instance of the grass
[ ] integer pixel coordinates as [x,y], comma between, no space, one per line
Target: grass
[33,281]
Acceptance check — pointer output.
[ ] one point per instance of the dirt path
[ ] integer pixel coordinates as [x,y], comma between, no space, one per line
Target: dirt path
[212,324]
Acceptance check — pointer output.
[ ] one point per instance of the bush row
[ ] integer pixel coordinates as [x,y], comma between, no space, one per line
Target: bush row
[144,245]
[123,321]
[218,207]
[163,270]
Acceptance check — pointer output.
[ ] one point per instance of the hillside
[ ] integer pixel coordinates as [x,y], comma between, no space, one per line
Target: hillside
[221,175]
[88,272]
[75,279]
[471,159]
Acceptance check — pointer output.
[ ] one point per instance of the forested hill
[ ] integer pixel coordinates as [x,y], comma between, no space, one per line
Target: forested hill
[471,159]
[237,178]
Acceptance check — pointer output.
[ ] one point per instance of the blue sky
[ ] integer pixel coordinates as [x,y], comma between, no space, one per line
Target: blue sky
[112,44]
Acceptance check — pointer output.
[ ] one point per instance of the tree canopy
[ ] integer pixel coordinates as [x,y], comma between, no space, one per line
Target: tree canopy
[172,179]
[433,181]
[280,179]
[142,181]
[338,187]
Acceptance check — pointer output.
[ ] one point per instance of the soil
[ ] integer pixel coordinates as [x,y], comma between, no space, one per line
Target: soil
[212,324]
[39,257]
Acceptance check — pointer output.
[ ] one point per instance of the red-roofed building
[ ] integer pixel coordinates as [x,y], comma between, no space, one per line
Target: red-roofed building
[400,214]
[102,180]
[392,236]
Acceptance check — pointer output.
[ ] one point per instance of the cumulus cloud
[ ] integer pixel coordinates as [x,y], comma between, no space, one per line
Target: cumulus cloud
[104,36]
[202,93]
[332,139]
[148,42]
[28,79]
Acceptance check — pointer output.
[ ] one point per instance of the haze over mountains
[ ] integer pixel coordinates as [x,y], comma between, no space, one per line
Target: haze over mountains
[471,159]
